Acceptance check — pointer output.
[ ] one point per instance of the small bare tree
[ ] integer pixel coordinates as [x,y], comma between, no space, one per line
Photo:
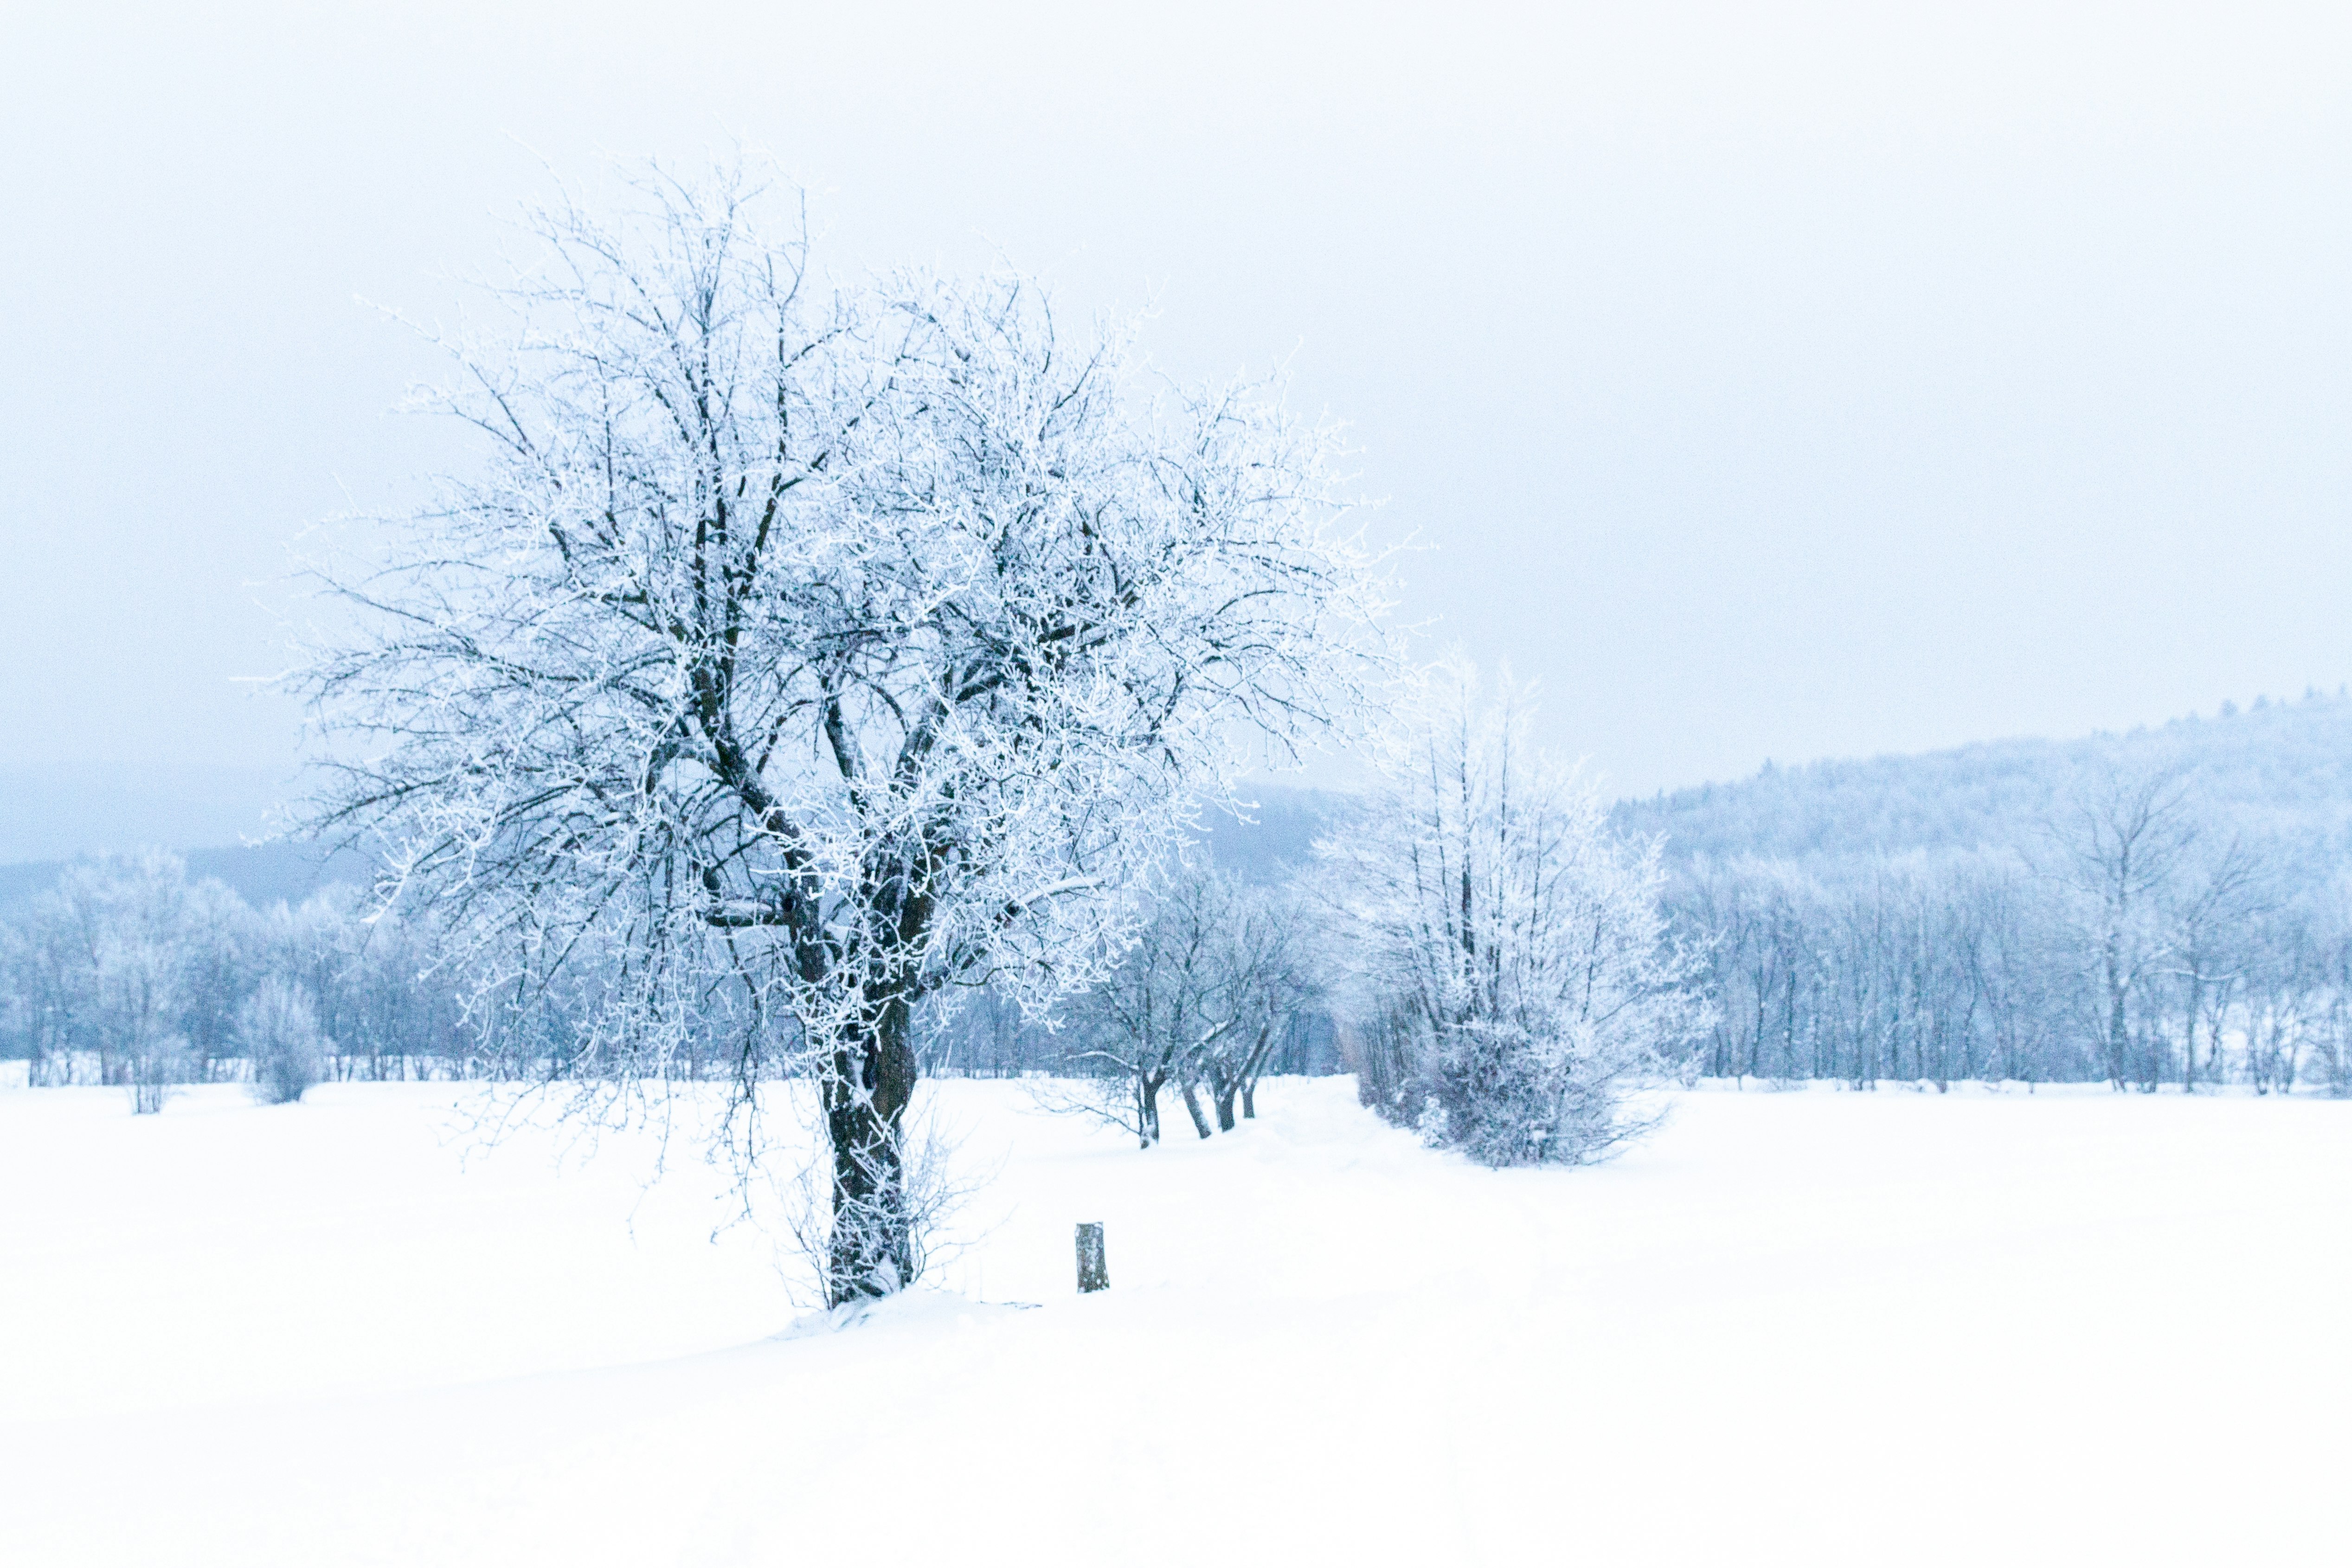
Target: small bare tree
[135,908]
[2211,908]
[137,988]
[799,651]
[1199,1003]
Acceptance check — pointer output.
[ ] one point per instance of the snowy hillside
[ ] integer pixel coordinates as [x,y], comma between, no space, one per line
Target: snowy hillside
[1805,1328]
[2277,771]
[61,810]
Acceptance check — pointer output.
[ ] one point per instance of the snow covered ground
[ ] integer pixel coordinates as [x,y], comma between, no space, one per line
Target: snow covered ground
[1807,1328]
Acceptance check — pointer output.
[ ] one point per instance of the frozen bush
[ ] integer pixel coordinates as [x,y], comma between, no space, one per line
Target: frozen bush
[278,1031]
[1513,975]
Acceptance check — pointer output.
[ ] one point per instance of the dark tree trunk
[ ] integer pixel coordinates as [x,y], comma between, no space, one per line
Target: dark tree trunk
[1245,1081]
[2189,1056]
[1226,1107]
[872,1250]
[1193,1104]
[1146,1108]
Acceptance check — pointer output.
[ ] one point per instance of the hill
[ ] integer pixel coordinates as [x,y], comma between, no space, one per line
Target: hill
[57,811]
[260,874]
[1277,838]
[2278,772]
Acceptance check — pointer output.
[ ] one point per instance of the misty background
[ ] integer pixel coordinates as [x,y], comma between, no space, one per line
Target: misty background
[1769,382]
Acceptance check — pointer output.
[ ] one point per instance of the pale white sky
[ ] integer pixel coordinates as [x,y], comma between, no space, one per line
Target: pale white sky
[1769,381]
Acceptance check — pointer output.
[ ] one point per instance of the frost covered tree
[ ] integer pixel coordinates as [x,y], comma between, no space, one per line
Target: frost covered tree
[277,1030]
[1199,1003]
[2217,897]
[139,980]
[1274,975]
[2121,845]
[1149,1023]
[798,652]
[1508,947]
[117,931]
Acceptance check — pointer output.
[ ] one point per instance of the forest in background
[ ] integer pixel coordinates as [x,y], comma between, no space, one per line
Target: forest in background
[1989,912]
[115,965]
[2166,907]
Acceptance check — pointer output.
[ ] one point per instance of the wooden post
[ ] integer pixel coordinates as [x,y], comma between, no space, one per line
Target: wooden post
[1094,1274]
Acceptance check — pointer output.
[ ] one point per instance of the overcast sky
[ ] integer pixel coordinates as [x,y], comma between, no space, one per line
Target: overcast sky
[1767,380]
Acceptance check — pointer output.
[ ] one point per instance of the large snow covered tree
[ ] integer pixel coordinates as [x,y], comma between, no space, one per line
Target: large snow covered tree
[1508,947]
[798,651]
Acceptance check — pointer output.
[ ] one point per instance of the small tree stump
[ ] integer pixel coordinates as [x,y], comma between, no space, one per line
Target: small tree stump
[1094,1274]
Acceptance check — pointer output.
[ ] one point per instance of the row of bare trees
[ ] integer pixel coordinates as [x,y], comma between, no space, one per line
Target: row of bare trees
[2132,938]
[1216,991]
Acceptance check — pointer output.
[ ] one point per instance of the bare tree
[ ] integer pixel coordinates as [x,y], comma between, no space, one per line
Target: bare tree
[138,988]
[47,969]
[2015,974]
[1272,977]
[1201,1003]
[2120,844]
[2286,999]
[2211,907]
[218,935]
[798,652]
[124,921]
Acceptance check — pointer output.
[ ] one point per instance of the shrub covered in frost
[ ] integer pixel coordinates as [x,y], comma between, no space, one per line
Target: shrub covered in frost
[1516,977]
[278,1030]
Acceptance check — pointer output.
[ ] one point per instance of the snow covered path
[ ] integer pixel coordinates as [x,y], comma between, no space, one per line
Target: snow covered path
[1806,1329]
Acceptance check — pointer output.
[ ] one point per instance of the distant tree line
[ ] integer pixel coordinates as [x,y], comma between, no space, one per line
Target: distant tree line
[127,969]
[127,972]
[2134,934]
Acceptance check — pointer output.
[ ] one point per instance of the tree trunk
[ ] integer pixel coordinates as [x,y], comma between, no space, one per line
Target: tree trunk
[1147,1107]
[1193,1104]
[1253,1066]
[871,1252]
[2189,1058]
[1225,1109]
[2118,1043]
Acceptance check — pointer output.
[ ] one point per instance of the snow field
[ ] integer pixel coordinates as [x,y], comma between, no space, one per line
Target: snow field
[1792,1328]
